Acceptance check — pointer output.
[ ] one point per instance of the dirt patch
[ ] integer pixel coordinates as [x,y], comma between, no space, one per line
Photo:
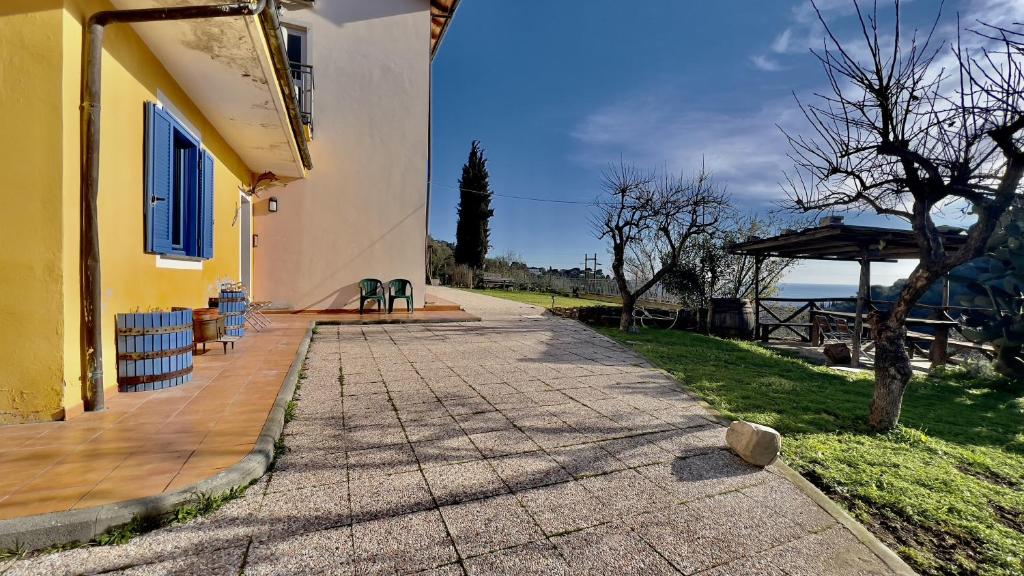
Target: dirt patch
[1010,518]
[990,478]
[949,554]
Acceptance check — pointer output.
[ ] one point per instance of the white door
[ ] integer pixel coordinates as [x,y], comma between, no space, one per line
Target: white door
[245,247]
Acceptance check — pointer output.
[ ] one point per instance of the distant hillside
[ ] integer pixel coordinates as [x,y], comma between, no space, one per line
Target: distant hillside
[933,296]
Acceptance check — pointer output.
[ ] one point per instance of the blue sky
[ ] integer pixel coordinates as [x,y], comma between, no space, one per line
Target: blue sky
[556,93]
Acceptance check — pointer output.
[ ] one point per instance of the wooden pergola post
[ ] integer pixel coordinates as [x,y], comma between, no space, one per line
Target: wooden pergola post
[862,297]
[945,293]
[938,354]
[757,296]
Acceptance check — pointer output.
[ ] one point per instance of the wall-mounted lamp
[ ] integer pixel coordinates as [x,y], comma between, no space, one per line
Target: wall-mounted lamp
[272,204]
[255,240]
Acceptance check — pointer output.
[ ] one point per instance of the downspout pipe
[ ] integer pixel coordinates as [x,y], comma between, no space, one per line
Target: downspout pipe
[92,68]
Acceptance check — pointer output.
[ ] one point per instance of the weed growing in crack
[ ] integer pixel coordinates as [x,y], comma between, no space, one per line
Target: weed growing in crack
[203,504]
[15,553]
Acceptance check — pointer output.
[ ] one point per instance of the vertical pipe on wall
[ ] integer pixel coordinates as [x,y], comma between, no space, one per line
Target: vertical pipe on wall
[89,251]
[430,168]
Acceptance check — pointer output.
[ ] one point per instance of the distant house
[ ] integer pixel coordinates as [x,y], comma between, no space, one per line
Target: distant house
[332,97]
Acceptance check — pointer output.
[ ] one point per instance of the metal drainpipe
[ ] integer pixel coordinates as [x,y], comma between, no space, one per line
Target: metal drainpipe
[92,66]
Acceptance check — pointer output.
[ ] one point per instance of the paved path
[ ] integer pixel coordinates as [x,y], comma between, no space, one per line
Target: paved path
[520,445]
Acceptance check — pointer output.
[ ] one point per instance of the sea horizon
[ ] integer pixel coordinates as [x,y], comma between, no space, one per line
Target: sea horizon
[810,290]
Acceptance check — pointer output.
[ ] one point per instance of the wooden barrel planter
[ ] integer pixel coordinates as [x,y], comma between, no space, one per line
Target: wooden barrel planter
[154,350]
[731,318]
[231,304]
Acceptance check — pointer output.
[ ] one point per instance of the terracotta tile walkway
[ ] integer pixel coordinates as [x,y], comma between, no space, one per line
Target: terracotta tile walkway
[147,443]
[519,445]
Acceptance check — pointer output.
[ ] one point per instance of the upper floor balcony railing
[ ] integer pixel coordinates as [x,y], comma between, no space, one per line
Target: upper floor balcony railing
[302,79]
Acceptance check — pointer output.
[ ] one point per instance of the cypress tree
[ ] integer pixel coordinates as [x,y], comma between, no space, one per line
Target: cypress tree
[473,234]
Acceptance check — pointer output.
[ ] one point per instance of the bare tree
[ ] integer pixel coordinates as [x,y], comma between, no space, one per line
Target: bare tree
[698,276]
[902,136]
[738,279]
[643,213]
[708,270]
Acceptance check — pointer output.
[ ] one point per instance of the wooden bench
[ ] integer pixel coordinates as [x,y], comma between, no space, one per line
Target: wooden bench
[495,281]
[939,356]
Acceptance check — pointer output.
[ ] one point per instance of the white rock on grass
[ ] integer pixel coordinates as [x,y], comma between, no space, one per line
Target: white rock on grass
[757,444]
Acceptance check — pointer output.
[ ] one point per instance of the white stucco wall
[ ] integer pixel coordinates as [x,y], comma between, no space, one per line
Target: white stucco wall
[362,210]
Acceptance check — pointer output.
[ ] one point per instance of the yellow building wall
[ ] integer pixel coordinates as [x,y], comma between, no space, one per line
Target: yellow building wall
[31,298]
[131,280]
[40,78]
[71,208]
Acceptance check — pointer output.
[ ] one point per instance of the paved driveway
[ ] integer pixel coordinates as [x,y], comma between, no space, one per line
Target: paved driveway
[523,444]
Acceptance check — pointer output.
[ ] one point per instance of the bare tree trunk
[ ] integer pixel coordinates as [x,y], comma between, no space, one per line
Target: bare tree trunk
[628,305]
[1008,361]
[892,373]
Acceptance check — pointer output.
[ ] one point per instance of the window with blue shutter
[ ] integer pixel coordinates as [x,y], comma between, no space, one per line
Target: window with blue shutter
[159,179]
[178,189]
[206,206]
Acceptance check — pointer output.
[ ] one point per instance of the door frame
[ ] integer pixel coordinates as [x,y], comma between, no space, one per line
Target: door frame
[245,253]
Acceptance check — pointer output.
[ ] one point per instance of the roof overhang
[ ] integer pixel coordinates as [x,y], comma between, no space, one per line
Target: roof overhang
[441,14]
[229,68]
[843,242]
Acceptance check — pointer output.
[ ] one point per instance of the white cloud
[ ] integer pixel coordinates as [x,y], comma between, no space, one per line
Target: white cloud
[805,31]
[997,12]
[762,62]
[744,149]
[802,34]
[782,42]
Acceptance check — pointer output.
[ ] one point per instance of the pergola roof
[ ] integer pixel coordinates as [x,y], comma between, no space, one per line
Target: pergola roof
[441,12]
[843,242]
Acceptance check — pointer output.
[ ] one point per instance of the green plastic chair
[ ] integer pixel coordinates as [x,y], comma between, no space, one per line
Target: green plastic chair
[371,289]
[400,289]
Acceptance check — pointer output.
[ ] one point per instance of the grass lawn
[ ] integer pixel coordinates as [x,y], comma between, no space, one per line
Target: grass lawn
[945,490]
[542,299]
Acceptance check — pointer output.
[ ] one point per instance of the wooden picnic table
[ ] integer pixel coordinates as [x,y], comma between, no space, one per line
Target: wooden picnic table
[938,342]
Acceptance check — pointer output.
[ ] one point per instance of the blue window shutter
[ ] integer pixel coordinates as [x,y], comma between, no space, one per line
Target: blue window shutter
[206,206]
[159,179]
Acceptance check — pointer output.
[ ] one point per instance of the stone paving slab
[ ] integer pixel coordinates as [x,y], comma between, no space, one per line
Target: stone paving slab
[523,444]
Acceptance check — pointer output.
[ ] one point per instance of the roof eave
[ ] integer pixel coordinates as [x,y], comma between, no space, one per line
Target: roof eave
[226,68]
[443,10]
[271,26]
[841,242]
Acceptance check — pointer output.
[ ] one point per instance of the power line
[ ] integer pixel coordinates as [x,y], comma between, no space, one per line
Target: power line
[528,198]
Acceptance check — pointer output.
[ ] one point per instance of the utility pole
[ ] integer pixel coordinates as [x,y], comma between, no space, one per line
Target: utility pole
[586,265]
[587,260]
